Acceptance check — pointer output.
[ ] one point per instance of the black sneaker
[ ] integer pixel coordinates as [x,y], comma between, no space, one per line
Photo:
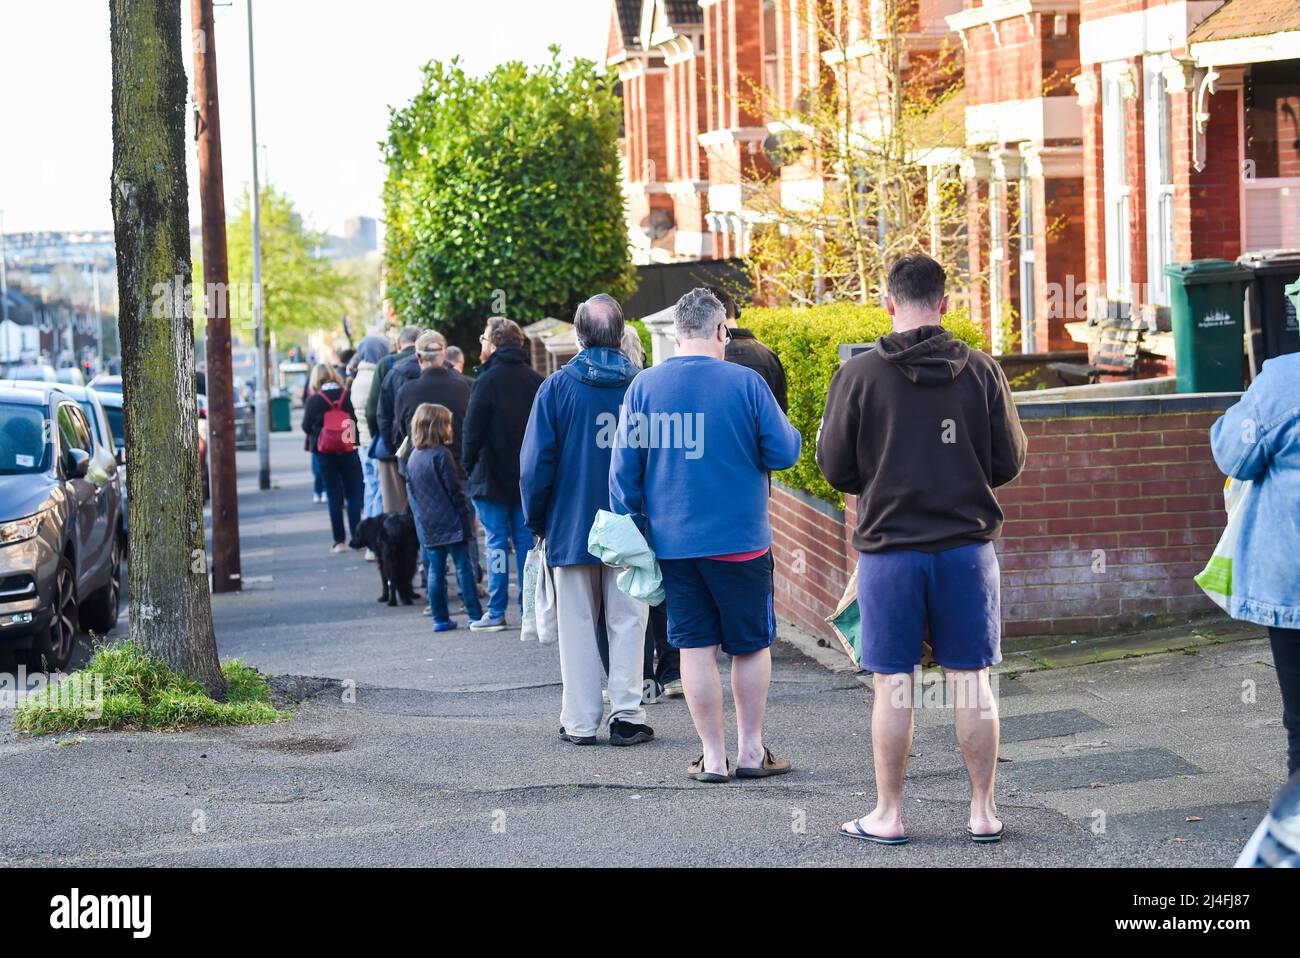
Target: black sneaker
[576,739]
[626,733]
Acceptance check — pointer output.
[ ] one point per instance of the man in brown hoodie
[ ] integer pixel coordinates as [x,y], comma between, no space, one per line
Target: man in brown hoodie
[921,428]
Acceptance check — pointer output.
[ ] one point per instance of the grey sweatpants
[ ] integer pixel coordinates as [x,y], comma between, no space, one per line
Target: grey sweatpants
[582,594]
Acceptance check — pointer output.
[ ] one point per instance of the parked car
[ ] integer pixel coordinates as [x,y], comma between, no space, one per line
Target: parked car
[293,381]
[39,373]
[104,383]
[70,376]
[61,535]
[112,404]
[91,404]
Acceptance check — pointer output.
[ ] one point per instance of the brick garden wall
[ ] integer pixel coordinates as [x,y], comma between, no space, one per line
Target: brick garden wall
[1119,505]
[812,558]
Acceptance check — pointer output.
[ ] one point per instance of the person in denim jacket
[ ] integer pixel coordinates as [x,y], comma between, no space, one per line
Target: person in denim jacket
[1259,439]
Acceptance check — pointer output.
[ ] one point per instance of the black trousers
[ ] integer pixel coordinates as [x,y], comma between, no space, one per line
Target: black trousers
[1286,659]
[344,486]
[662,661]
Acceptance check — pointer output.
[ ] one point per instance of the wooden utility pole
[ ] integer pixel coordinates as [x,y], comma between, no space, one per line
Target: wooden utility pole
[171,610]
[216,278]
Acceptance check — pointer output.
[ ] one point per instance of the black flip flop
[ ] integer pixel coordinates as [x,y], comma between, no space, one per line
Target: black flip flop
[987,838]
[696,771]
[861,834]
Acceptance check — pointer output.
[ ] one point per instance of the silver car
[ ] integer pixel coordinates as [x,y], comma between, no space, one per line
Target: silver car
[61,533]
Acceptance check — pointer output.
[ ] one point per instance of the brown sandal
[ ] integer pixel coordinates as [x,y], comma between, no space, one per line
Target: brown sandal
[696,771]
[772,765]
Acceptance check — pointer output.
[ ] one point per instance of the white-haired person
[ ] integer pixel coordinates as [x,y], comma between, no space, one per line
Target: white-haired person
[697,437]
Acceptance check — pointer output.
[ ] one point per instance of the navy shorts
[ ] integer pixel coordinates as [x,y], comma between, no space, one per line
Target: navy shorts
[956,594]
[711,602]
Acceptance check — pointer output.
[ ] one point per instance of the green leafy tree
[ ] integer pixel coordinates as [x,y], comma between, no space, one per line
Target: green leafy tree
[503,195]
[302,290]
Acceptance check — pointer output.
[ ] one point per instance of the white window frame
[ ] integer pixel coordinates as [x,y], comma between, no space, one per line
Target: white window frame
[997,261]
[1115,185]
[1027,290]
[1159,161]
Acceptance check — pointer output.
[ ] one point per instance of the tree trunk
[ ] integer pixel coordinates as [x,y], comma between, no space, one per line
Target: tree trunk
[170,608]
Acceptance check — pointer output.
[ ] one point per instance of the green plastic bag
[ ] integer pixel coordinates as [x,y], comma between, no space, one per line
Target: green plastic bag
[846,621]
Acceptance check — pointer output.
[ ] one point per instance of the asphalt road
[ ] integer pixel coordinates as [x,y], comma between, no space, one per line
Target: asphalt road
[416,749]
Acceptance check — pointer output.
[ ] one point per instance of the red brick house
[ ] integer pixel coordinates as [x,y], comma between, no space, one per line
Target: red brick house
[1023,166]
[1103,139]
[703,84]
[1191,115]
[642,76]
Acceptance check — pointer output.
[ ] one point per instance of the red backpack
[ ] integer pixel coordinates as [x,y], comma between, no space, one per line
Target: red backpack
[337,432]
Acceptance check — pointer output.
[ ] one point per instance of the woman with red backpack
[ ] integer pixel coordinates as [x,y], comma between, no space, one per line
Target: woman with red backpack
[330,423]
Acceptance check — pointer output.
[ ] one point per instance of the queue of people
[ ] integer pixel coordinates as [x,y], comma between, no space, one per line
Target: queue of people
[921,428]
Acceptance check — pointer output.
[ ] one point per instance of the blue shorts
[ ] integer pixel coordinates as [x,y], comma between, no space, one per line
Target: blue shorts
[720,603]
[956,594]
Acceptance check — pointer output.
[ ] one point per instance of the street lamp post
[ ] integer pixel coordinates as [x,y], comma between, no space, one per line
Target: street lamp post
[263,360]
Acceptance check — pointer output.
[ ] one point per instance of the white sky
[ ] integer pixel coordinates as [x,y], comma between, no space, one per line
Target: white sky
[327,71]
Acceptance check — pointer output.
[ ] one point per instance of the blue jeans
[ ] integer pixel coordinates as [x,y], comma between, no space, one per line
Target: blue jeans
[435,560]
[317,477]
[341,474]
[503,526]
[372,498]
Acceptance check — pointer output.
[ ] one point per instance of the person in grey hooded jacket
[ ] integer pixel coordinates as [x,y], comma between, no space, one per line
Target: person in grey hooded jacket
[564,481]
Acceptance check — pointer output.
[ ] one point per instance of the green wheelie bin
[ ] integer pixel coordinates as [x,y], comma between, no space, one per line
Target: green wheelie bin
[280,414]
[1206,298]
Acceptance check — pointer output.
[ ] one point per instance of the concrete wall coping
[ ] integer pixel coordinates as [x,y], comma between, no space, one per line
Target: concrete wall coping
[1126,406]
[808,499]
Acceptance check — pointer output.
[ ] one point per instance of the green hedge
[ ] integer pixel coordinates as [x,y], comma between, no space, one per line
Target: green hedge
[808,341]
[647,341]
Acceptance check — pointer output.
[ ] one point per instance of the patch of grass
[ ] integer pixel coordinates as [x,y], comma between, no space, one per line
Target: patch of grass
[124,688]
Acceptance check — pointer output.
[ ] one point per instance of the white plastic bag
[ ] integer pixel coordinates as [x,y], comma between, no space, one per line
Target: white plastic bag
[1216,577]
[528,630]
[544,614]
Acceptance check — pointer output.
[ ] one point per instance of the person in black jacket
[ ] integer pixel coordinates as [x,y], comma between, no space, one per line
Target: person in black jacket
[442,512]
[436,384]
[340,470]
[744,349]
[499,405]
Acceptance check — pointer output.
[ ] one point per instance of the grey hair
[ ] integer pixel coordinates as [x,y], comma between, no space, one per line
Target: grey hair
[408,335]
[632,347]
[598,322]
[698,314]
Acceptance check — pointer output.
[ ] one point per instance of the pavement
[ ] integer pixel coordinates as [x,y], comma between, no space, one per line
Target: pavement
[408,748]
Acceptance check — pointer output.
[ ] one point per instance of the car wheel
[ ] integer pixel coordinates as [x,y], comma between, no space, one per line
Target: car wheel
[99,611]
[52,650]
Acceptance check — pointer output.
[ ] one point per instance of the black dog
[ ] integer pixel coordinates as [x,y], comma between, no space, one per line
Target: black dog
[392,539]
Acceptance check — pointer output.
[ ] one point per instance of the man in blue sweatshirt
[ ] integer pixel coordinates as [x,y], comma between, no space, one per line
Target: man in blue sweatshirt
[697,438]
[563,481]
